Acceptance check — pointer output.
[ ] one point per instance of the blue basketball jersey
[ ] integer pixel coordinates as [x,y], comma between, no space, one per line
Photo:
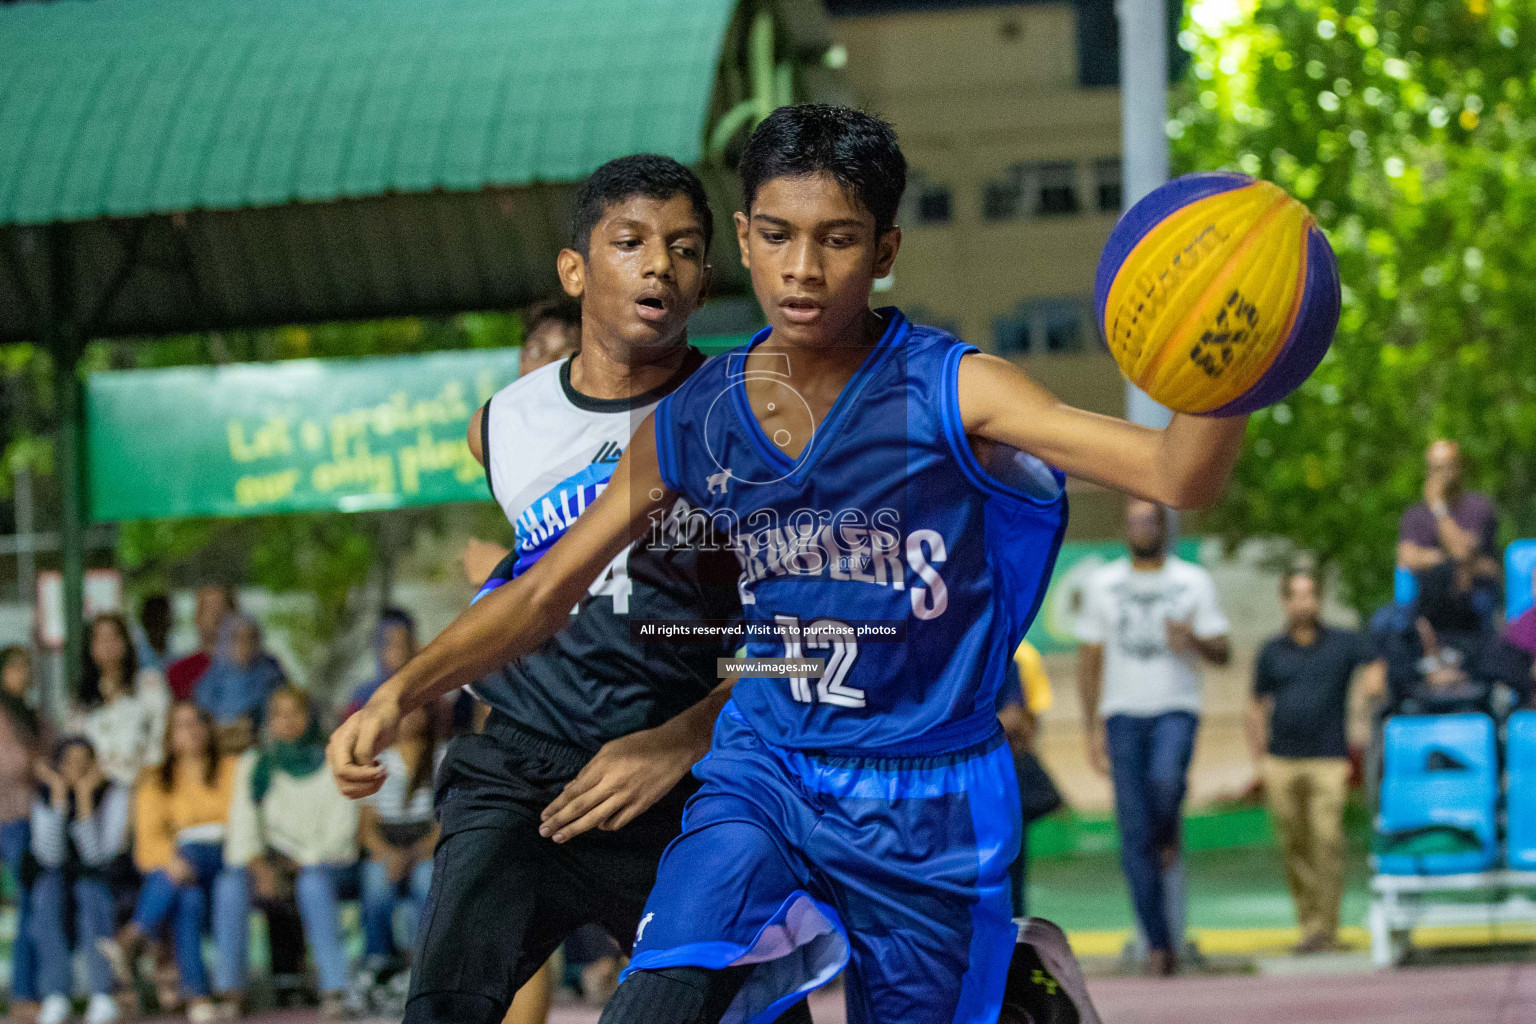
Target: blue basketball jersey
[886,549]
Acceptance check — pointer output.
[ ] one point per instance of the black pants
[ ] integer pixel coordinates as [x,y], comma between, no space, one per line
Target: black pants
[503,897]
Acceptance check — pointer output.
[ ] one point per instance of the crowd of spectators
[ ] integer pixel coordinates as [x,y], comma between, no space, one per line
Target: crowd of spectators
[1150,621]
[180,795]
[184,791]
[162,815]
[1441,642]
[1437,648]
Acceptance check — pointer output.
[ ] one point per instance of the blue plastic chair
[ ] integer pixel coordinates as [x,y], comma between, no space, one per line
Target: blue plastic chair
[1439,782]
[1520,798]
[1519,563]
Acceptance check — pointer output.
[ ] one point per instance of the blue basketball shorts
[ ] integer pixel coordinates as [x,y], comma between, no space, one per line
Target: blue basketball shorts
[895,868]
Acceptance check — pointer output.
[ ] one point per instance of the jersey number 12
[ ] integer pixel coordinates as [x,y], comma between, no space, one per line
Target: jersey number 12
[822,635]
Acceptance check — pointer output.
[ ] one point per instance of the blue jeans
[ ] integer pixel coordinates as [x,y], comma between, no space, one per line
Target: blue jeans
[15,841]
[187,906]
[381,896]
[51,896]
[317,892]
[1149,763]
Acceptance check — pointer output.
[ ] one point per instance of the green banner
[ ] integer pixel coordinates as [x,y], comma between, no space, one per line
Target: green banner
[257,438]
[1054,629]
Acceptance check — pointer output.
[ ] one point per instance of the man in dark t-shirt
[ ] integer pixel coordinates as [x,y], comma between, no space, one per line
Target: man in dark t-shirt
[1297,729]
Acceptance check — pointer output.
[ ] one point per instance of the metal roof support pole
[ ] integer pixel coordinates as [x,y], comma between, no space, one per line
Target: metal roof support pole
[1143,135]
[65,342]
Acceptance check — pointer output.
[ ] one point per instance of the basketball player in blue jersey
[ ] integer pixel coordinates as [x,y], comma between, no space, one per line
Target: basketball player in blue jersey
[594,708]
[895,501]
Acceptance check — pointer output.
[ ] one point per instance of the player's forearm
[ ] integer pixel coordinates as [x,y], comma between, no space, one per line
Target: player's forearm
[1185,465]
[695,728]
[502,626]
[1195,456]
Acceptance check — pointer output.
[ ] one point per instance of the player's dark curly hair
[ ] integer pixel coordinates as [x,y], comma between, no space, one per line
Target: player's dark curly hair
[646,175]
[857,149]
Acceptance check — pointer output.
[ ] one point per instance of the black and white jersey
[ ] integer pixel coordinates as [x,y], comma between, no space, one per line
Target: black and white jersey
[549,452]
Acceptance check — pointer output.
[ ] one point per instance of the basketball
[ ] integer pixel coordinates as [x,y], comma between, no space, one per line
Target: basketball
[1217,294]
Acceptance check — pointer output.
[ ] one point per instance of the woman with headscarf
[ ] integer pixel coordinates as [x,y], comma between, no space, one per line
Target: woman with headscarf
[238,683]
[21,744]
[122,707]
[293,832]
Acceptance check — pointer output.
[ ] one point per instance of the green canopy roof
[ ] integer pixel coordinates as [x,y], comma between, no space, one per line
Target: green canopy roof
[187,165]
[122,108]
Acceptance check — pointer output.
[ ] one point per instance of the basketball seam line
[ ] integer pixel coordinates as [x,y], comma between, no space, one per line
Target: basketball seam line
[1307,223]
[1222,277]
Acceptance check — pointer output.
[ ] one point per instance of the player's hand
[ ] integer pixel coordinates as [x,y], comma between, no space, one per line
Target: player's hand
[626,777]
[353,751]
[480,558]
[1098,750]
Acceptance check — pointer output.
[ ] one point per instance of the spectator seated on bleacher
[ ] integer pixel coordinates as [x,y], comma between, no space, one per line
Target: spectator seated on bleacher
[293,836]
[1443,655]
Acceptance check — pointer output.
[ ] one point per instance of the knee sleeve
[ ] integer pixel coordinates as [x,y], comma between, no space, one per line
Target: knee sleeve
[675,995]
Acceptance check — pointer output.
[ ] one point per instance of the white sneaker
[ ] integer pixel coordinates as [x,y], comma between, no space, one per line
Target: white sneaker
[102,1009]
[55,1010]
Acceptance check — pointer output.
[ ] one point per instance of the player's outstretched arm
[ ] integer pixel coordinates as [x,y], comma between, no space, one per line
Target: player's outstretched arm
[1184,465]
[510,621]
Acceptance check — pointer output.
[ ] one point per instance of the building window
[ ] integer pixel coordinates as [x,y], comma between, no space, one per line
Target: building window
[1041,326]
[1106,182]
[1055,189]
[1031,190]
[934,204]
[926,201]
[1001,199]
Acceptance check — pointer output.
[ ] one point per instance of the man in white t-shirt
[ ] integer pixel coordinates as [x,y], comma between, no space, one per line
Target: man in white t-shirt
[1148,623]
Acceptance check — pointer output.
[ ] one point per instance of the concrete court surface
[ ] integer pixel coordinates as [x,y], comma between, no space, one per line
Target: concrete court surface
[1480,994]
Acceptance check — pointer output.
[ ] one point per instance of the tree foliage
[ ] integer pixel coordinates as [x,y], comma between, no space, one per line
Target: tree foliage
[1409,127]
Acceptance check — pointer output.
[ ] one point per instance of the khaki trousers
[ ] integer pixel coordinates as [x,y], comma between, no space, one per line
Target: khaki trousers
[1306,797]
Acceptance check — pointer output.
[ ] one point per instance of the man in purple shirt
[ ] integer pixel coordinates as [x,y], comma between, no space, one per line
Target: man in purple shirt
[1450,522]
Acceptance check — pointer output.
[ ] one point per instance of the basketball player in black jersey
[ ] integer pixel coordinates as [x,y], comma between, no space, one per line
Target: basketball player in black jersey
[620,722]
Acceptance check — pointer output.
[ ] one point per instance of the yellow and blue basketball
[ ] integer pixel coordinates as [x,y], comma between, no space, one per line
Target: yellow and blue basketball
[1217,294]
